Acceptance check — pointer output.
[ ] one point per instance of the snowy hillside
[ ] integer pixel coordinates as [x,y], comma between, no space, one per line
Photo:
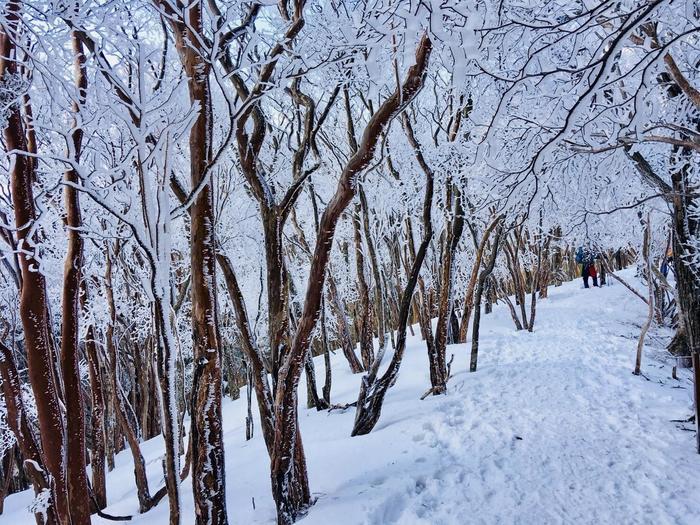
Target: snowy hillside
[552,428]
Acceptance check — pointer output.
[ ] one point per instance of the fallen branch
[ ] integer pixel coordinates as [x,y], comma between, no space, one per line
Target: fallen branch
[691,419]
[430,391]
[342,407]
[621,280]
[102,514]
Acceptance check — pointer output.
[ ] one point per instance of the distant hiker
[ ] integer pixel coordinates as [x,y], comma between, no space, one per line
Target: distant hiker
[586,259]
[667,260]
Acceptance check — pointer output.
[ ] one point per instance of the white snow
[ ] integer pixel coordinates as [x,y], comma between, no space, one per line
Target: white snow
[552,428]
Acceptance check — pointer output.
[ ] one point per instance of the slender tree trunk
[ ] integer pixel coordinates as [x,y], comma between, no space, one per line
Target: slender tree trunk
[208,469]
[328,377]
[97,458]
[19,424]
[33,305]
[423,301]
[437,357]
[76,477]
[168,401]
[343,328]
[365,317]
[646,246]
[376,273]
[257,370]
[469,297]
[477,300]
[125,415]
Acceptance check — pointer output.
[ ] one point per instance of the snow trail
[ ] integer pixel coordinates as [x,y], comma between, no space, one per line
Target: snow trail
[552,428]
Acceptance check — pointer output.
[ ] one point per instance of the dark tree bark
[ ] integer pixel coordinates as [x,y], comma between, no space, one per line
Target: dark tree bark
[97,457]
[686,227]
[444,334]
[424,300]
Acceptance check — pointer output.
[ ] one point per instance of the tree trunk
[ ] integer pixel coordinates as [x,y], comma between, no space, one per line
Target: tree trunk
[124,413]
[469,296]
[168,402]
[97,458]
[76,475]
[365,317]
[263,393]
[376,274]
[19,424]
[208,469]
[646,247]
[686,227]
[346,343]
[437,358]
[33,306]
[477,300]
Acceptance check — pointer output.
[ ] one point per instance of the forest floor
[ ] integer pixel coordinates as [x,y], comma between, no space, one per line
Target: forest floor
[552,428]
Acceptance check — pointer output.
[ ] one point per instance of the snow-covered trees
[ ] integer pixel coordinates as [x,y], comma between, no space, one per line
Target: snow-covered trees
[233,188]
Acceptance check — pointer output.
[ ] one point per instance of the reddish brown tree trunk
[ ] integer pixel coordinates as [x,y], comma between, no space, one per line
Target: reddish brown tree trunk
[33,305]
[208,469]
[208,472]
[78,497]
[19,424]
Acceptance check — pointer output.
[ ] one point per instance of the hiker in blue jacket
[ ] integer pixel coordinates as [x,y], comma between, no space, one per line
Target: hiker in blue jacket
[586,259]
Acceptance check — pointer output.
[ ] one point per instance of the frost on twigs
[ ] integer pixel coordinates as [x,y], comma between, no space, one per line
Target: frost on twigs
[12,87]
[7,437]
[40,503]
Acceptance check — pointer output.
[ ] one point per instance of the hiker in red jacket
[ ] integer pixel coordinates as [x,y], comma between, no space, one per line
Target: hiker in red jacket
[593,273]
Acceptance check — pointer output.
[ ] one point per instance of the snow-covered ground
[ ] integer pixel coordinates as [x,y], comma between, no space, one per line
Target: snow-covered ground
[552,428]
